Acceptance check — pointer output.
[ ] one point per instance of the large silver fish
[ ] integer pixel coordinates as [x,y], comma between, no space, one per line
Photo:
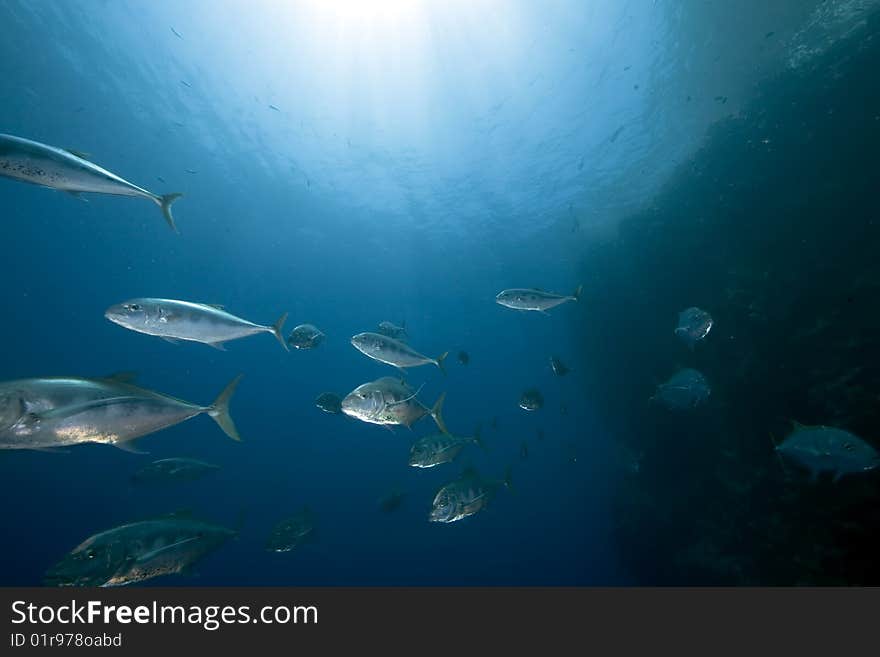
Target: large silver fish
[172,320]
[56,412]
[389,401]
[534,299]
[393,352]
[138,551]
[67,171]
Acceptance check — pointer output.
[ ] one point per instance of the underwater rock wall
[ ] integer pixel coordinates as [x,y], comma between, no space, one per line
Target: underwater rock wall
[774,228]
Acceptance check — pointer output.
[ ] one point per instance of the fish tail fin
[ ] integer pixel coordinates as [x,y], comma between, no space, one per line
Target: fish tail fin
[578,292]
[219,410]
[165,202]
[437,413]
[276,331]
[439,361]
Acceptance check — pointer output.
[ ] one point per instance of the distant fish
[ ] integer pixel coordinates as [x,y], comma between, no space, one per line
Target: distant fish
[192,171]
[463,357]
[392,330]
[391,502]
[494,422]
[67,171]
[186,84]
[389,402]
[694,325]
[139,551]
[465,496]
[559,368]
[616,134]
[769,34]
[329,403]
[292,532]
[176,33]
[393,352]
[274,108]
[305,336]
[56,412]
[828,449]
[173,469]
[441,448]
[524,450]
[686,389]
[171,320]
[531,400]
[534,299]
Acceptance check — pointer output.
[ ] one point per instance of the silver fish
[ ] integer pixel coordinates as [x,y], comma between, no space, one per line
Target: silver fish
[531,400]
[305,336]
[393,352]
[292,532]
[686,389]
[392,330]
[389,401]
[68,171]
[173,320]
[138,551]
[173,469]
[430,451]
[828,449]
[56,412]
[694,325]
[534,299]
[465,496]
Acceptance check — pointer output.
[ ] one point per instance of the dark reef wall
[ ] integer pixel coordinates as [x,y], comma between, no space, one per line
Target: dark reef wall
[774,228]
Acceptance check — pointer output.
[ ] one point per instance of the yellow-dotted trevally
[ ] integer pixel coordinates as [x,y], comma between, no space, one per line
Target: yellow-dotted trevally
[68,171]
[173,320]
[393,352]
[138,551]
[389,401]
[56,412]
[534,299]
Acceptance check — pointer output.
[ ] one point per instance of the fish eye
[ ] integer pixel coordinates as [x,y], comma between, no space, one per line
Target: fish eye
[91,554]
[849,447]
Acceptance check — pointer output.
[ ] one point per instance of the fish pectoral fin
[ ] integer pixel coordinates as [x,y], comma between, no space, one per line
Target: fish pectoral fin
[217,345]
[80,154]
[170,340]
[155,553]
[130,448]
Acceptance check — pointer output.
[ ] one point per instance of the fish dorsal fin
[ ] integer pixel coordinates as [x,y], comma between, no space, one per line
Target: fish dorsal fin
[122,377]
[80,154]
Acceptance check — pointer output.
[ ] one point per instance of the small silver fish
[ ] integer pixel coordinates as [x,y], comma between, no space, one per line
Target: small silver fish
[292,532]
[68,171]
[393,352]
[531,400]
[431,451]
[686,389]
[465,496]
[173,469]
[534,299]
[305,336]
[173,320]
[694,325]
[392,330]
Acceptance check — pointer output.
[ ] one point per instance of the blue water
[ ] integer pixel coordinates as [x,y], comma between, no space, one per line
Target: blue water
[348,169]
